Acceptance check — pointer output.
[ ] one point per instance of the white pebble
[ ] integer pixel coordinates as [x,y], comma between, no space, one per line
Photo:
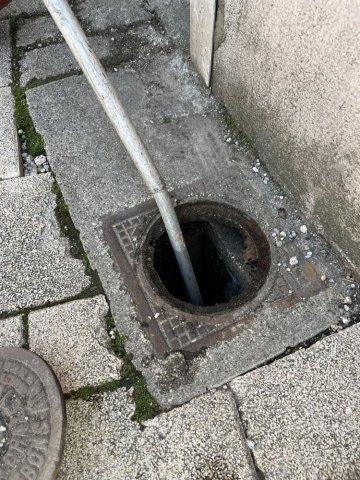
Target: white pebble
[347,301]
[157,315]
[323,278]
[303,229]
[116,69]
[345,320]
[278,243]
[39,160]
[255,169]
[308,255]
[346,308]
[283,234]
[2,429]
[294,261]
[228,140]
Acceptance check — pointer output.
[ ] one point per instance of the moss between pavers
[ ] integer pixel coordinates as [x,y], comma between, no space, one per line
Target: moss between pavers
[145,405]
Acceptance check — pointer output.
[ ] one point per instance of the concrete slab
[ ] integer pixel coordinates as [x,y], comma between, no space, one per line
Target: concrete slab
[11,332]
[200,440]
[55,60]
[302,413]
[175,17]
[35,30]
[189,141]
[36,266]
[72,338]
[111,13]
[5,54]
[19,7]
[10,165]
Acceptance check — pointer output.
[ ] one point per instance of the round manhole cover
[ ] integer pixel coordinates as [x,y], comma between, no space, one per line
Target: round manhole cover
[32,417]
[229,251]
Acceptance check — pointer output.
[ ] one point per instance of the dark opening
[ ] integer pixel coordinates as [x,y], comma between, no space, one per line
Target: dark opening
[216,267]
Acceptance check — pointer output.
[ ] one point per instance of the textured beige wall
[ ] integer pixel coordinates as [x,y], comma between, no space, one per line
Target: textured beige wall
[288,71]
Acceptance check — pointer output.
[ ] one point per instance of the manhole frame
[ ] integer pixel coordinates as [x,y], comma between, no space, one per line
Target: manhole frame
[226,312]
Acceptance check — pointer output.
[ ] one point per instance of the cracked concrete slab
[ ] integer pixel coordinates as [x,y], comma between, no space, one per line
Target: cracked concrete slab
[9,147]
[111,13]
[35,30]
[200,440]
[73,339]
[5,53]
[11,332]
[302,413]
[36,265]
[19,7]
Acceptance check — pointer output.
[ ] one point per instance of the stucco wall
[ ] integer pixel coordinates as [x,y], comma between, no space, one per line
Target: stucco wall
[288,71]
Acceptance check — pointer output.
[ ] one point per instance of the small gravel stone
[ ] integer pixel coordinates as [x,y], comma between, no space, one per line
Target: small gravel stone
[294,261]
[40,160]
[323,278]
[347,301]
[303,229]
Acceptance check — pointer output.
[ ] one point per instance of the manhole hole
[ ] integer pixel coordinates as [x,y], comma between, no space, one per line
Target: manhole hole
[230,255]
[32,417]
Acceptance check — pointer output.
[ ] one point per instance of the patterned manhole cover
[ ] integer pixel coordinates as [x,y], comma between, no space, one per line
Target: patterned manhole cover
[32,417]
[170,323]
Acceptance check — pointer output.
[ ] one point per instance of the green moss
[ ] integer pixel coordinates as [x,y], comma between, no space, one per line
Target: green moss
[88,391]
[240,135]
[68,229]
[145,405]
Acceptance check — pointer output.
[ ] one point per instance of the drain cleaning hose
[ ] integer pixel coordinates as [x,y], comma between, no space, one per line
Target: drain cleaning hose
[110,100]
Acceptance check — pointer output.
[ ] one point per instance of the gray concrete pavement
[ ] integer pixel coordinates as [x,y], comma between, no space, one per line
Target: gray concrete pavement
[11,332]
[73,339]
[302,413]
[10,163]
[36,265]
[36,30]
[5,56]
[198,441]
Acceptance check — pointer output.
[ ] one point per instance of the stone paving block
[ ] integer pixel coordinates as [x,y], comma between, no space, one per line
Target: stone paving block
[198,441]
[10,165]
[57,59]
[11,332]
[5,54]
[175,16]
[302,413]
[72,338]
[35,30]
[18,7]
[111,13]
[36,265]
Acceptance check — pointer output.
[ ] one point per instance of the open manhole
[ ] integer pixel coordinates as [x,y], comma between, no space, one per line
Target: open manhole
[230,255]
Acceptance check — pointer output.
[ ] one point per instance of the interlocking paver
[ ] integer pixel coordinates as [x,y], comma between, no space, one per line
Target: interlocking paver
[5,53]
[11,332]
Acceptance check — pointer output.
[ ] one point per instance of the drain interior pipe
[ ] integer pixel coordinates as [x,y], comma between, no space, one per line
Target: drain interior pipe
[110,100]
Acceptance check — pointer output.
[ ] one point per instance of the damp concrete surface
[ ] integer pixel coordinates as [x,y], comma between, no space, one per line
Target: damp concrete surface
[109,328]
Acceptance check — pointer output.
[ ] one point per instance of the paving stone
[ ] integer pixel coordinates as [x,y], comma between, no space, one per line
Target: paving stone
[302,413]
[18,7]
[57,59]
[72,338]
[5,54]
[11,332]
[111,13]
[36,265]
[175,16]
[9,146]
[36,29]
[200,440]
